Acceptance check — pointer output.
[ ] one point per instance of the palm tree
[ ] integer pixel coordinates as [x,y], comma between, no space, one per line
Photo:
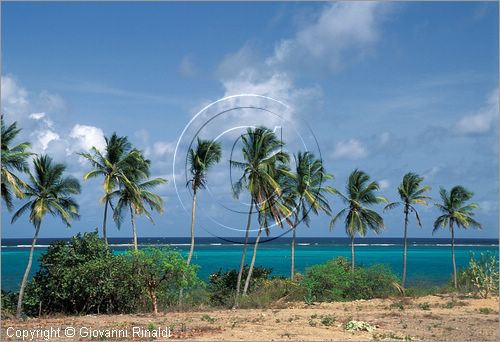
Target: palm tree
[262,152]
[455,213]
[13,159]
[136,195]
[360,193]
[201,159]
[48,192]
[304,192]
[411,193]
[113,165]
[271,207]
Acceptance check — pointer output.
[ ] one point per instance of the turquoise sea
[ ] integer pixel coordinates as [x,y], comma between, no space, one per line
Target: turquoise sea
[429,260]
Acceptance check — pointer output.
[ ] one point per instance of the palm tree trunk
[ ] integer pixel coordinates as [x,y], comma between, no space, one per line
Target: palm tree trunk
[191,249]
[105,219]
[133,228]
[403,278]
[250,270]
[26,273]
[352,253]
[453,255]
[243,255]
[292,271]
[193,211]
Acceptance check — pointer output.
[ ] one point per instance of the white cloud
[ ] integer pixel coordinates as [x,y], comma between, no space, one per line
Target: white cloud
[483,120]
[85,137]
[161,148]
[341,27]
[337,28]
[37,116]
[350,149]
[44,137]
[384,184]
[14,97]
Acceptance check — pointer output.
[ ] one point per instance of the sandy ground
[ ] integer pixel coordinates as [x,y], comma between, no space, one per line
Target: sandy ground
[446,317]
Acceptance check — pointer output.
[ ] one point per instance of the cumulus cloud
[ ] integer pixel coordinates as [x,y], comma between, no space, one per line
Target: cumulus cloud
[85,137]
[350,149]
[340,28]
[335,30]
[483,120]
[38,115]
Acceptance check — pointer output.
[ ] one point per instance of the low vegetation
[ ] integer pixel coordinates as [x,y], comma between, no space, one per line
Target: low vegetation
[83,277]
[335,281]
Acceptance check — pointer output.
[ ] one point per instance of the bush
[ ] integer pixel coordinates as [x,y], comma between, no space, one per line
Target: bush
[222,285]
[9,304]
[83,277]
[481,275]
[162,274]
[334,281]
[271,291]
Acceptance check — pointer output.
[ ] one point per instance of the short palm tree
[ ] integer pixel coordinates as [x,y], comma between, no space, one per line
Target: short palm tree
[48,192]
[137,196]
[411,193]
[304,192]
[360,194]
[206,154]
[117,159]
[262,153]
[455,213]
[14,159]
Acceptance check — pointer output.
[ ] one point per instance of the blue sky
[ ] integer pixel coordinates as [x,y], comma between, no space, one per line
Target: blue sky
[385,87]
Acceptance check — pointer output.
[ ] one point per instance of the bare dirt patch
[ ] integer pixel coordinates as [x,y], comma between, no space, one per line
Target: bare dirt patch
[444,317]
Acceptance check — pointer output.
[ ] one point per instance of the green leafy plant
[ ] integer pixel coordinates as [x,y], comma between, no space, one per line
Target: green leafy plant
[328,320]
[481,275]
[334,281]
[222,284]
[485,311]
[359,326]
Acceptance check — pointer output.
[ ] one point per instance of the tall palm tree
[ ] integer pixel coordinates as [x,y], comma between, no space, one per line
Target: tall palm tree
[411,193]
[206,154]
[136,196]
[48,192]
[14,158]
[262,152]
[117,159]
[455,213]
[271,208]
[304,192]
[360,194]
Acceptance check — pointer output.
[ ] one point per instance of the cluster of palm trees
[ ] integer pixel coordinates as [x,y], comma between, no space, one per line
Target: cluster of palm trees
[278,194]
[127,182]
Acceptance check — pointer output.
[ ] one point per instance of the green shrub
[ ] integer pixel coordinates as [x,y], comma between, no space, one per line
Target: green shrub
[9,304]
[481,275]
[82,277]
[271,291]
[162,273]
[334,281]
[485,311]
[222,285]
